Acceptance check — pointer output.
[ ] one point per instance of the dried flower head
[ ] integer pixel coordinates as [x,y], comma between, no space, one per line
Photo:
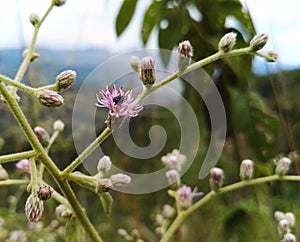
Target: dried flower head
[119,103]
[148,73]
[227,42]
[216,178]
[34,208]
[50,98]
[174,160]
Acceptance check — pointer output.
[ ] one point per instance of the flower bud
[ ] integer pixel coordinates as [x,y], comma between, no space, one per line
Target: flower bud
[59,2]
[42,135]
[174,160]
[227,42]
[279,215]
[272,56]
[104,185]
[246,170]
[32,57]
[259,41]
[148,74]
[173,178]
[185,197]
[34,19]
[290,217]
[58,125]
[283,227]
[50,98]
[216,178]
[135,63]
[44,192]
[282,166]
[159,219]
[24,166]
[168,211]
[104,165]
[120,179]
[184,55]
[289,237]
[159,232]
[3,173]
[62,211]
[34,208]
[65,79]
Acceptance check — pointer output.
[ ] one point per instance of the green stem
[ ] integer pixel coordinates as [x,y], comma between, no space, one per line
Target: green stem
[184,213]
[33,176]
[19,85]
[83,180]
[48,87]
[17,156]
[49,164]
[13,182]
[87,152]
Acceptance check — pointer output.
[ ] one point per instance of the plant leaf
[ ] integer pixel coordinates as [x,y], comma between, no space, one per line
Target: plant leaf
[74,231]
[124,16]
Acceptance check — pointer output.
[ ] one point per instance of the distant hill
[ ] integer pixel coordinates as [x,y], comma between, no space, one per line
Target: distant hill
[53,62]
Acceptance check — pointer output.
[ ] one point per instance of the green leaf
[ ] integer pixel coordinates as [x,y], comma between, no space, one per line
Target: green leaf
[74,231]
[124,16]
[151,18]
[107,202]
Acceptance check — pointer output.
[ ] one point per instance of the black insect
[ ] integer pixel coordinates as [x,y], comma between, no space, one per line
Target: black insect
[118,99]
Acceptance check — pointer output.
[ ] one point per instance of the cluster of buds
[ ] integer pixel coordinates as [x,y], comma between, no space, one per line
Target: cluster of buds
[174,160]
[116,180]
[216,178]
[163,219]
[134,235]
[286,222]
[282,166]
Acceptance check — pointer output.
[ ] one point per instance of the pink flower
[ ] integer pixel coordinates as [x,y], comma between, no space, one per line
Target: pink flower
[23,165]
[119,103]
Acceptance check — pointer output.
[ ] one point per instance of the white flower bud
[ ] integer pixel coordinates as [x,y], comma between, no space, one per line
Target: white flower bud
[289,237]
[173,178]
[50,98]
[272,56]
[279,215]
[135,63]
[216,178]
[3,173]
[282,166]
[120,179]
[104,165]
[34,19]
[290,217]
[168,211]
[65,79]
[58,125]
[34,208]
[283,227]
[148,73]
[184,55]
[259,41]
[42,135]
[246,170]
[62,211]
[227,42]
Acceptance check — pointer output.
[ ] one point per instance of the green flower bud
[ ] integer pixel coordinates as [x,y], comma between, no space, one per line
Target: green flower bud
[227,42]
[50,98]
[59,2]
[34,19]
[259,41]
[34,208]
[65,79]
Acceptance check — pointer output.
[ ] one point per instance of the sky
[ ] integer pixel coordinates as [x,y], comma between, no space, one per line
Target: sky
[91,24]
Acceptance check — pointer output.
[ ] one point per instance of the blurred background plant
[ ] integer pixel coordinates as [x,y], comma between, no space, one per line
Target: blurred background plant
[263,124]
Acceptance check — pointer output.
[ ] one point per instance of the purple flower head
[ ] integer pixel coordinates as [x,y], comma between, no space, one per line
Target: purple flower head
[186,195]
[119,103]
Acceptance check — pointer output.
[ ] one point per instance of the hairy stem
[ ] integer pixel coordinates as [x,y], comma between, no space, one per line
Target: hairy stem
[17,156]
[208,197]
